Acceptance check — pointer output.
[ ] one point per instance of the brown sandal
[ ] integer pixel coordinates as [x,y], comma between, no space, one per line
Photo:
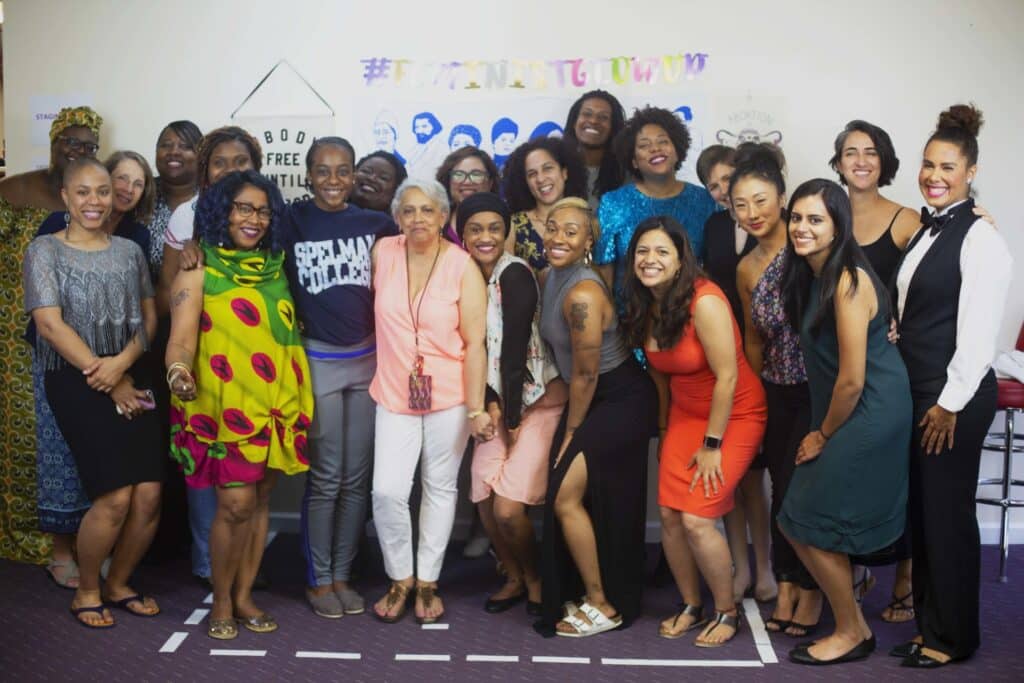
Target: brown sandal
[398,594]
[427,593]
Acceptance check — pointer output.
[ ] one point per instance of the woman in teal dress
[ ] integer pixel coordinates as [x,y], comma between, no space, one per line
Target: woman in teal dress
[848,494]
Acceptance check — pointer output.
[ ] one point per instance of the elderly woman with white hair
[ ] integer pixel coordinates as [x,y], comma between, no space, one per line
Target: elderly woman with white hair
[429,309]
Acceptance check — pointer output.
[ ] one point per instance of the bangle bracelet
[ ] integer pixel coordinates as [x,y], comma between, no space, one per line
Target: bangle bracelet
[473,415]
[823,434]
[173,369]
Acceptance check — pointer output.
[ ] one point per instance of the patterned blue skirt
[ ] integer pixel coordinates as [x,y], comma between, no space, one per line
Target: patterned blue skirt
[60,500]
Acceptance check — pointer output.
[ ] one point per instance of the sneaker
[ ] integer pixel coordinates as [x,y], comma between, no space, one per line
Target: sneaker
[351,601]
[327,605]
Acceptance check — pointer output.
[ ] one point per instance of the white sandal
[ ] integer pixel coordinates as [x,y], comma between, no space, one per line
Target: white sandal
[598,623]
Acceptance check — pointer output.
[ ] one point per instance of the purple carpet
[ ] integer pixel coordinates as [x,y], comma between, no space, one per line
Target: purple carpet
[39,640]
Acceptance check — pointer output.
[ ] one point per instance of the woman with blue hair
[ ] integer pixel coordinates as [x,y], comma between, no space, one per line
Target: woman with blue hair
[242,402]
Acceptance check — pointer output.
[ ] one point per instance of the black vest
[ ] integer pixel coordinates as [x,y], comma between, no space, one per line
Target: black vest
[928,325]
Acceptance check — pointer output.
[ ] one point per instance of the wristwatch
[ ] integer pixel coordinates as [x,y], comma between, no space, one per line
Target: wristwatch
[712,442]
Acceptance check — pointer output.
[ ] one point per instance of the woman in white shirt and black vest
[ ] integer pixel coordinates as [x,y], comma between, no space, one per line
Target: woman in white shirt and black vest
[951,289]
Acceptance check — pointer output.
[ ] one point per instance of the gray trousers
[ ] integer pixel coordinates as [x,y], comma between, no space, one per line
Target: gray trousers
[341,455]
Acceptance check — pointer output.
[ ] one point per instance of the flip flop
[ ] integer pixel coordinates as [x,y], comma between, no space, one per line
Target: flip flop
[98,609]
[124,602]
[721,619]
[899,604]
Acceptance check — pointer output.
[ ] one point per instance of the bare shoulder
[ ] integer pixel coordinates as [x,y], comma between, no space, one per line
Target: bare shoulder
[908,222]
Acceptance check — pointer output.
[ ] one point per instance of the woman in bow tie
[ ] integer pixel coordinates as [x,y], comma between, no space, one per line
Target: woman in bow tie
[950,292]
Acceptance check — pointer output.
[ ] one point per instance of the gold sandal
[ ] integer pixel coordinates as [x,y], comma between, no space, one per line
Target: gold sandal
[261,623]
[427,593]
[398,594]
[222,629]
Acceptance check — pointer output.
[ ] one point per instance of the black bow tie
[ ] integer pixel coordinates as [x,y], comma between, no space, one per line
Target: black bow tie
[935,223]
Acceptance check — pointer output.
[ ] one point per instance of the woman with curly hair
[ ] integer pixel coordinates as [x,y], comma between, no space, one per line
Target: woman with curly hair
[593,122]
[711,417]
[465,172]
[538,174]
[242,402]
[651,149]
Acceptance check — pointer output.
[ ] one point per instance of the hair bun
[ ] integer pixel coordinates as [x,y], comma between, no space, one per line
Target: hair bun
[964,116]
[759,155]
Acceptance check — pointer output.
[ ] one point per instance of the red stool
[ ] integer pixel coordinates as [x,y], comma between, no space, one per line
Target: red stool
[1010,401]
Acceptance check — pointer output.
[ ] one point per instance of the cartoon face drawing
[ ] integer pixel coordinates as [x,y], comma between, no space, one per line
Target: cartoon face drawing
[425,126]
[385,134]
[748,135]
[463,135]
[503,136]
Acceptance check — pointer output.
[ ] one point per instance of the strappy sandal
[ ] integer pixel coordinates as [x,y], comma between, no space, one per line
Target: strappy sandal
[261,623]
[899,604]
[222,629]
[398,594]
[864,586]
[598,622]
[695,611]
[780,624]
[427,593]
[721,619]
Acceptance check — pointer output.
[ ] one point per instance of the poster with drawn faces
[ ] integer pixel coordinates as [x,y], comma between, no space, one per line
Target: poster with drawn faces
[423,134]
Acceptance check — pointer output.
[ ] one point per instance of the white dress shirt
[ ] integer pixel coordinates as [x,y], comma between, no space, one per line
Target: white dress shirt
[986,269]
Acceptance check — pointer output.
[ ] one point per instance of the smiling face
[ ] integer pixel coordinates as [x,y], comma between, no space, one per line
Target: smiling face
[129,181]
[945,176]
[654,154]
[656,262]
[484,237]
[88,195]
[331,177]
[757,205]
[467,177]
[419,218]
[246,231]
[567,236]
[545,178]
[227,157]
[718,183]
[72,143]
[811,229]
[594,124]
[375,184]
[175,159]
[859,163]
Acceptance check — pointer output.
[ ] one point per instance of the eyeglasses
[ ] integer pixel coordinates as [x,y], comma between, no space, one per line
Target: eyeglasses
[471,176]
[78,146]
[246,210]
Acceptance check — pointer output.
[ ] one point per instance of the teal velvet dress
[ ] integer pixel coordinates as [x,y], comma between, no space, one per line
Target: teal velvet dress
[852,498]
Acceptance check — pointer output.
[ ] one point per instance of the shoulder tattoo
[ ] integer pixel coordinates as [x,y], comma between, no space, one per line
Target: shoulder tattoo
[578,316]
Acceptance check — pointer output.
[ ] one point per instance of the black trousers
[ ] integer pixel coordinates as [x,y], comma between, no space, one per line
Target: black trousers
[789,418]
[944,525]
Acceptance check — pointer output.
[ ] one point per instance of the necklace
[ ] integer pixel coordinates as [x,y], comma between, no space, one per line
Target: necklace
[418,361]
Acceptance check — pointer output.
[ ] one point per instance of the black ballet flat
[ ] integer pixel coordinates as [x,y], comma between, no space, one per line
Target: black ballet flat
[497,606]
[533,609]
[802,655]
[920,660]
[905,650]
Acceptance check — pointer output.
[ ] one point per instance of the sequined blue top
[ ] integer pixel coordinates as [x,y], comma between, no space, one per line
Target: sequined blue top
[621,210]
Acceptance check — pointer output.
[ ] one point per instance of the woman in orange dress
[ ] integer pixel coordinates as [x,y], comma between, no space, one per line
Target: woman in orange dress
[712,416]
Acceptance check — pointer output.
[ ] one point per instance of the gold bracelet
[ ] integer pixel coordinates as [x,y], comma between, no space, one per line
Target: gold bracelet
[178,365]
[473,415]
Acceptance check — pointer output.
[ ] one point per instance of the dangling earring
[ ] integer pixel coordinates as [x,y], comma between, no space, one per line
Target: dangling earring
[587,258]
[67,218]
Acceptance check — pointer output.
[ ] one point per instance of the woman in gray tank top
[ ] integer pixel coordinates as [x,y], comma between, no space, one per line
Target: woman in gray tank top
[595,509]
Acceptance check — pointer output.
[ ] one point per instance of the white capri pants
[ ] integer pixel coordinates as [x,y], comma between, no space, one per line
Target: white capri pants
[436,441]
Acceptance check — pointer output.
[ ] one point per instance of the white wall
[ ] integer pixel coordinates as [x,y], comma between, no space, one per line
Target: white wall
[893,63]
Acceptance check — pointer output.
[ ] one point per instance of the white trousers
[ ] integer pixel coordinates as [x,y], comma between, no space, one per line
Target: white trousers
[436,441]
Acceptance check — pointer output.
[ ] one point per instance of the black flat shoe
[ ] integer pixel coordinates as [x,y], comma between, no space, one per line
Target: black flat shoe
[497,606]
[802,655]
[920,660]
[905,650]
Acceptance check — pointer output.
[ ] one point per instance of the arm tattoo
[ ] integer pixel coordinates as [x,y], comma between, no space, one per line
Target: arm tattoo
[179,298]
[578,316]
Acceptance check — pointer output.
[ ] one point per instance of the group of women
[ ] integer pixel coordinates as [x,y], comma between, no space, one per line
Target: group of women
[560,317]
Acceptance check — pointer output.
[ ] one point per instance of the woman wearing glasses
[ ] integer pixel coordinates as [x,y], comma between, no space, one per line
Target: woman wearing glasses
[242,400]
[465,171]
[539,174]
[25,201]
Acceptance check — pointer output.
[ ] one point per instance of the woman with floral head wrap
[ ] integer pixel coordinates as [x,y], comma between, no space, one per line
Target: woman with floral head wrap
[25,201]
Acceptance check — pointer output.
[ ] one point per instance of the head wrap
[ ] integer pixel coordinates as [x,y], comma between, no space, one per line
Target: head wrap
[75,116]
[477,203]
